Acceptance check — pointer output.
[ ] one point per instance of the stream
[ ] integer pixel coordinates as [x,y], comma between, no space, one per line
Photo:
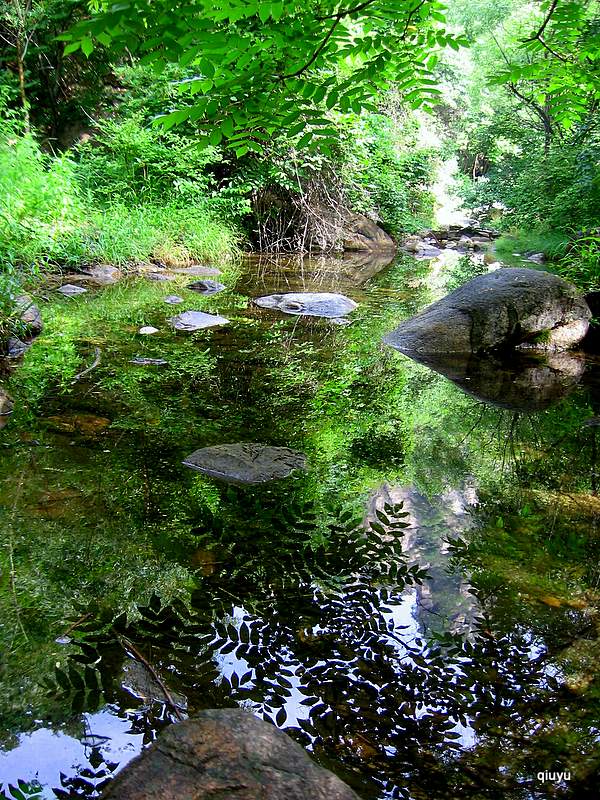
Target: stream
[419,608]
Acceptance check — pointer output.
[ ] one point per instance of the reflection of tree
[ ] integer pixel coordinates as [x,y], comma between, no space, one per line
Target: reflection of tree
[326,659]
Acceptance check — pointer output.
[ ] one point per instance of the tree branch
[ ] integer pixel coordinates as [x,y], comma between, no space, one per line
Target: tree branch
[315,55]
[547,19]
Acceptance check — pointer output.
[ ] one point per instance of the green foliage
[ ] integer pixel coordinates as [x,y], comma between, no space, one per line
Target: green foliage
[557,74]
[11,311]
[52,211]
[41,205]
[24,790]
[57,92]
[258,70]
[464,270]
[386,173]
[581,264]
[554,190]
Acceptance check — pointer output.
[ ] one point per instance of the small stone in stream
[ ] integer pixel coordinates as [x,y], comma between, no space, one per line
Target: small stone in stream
[30,315]
[69,290]
[148,362]
[246,462]
[310,304]
[340,321]
[537,258]
[427,251]
[225,753]
[197,269]
[206,287]
[159,276]
[15,348]
[173,299]
[148,330]
[196,321]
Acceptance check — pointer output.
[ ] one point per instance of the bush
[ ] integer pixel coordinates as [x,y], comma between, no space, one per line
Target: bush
[387,175]
[557,191]
[131,197]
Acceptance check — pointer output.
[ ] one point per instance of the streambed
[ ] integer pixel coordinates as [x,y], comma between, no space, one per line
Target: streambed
[418,608]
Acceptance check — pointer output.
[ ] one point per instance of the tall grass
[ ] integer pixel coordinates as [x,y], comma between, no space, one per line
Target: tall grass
[46,218]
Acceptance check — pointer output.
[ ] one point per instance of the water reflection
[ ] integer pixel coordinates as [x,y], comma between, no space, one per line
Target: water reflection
[279,597]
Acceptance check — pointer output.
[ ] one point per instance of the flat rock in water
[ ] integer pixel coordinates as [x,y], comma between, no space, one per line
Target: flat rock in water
[197,269]
[427,251]
[206,287]
[502,309]
[148,330]
[310,304]
[148,362]
[246,462]
[225,753]
[173,299]
[196,321]
[70,290]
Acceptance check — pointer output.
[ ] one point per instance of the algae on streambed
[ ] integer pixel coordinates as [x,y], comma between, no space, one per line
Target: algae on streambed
[465,683]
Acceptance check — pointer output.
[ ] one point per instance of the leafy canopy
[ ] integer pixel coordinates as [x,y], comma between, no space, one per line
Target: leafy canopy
[558,70]
[257,69]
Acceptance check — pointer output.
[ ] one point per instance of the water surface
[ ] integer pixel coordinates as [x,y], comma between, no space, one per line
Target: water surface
[419,608]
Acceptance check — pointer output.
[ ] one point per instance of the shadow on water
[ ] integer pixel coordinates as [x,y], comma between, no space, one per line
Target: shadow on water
[419,608]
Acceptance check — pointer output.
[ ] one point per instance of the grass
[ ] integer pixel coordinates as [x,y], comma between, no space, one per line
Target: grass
[46,219]
[550,243]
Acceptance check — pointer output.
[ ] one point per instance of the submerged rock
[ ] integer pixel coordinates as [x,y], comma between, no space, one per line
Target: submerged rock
[197,269]
[505,308]
[310,304]
[148,362]
[159,276]
[225,753]
[148,330]
[81,423]
[196,321]
[30,315]
[246,462]
[206,287]
[70,290]
[173,299]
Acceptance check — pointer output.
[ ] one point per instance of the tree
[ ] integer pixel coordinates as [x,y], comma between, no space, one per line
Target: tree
[257,69]
[559,74]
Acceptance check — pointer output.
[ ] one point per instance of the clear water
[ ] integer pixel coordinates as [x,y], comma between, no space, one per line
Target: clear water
[135,591]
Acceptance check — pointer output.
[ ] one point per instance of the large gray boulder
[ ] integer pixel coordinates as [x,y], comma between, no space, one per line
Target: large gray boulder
[225,753]
[309,304]
[505,308]
[246,462]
